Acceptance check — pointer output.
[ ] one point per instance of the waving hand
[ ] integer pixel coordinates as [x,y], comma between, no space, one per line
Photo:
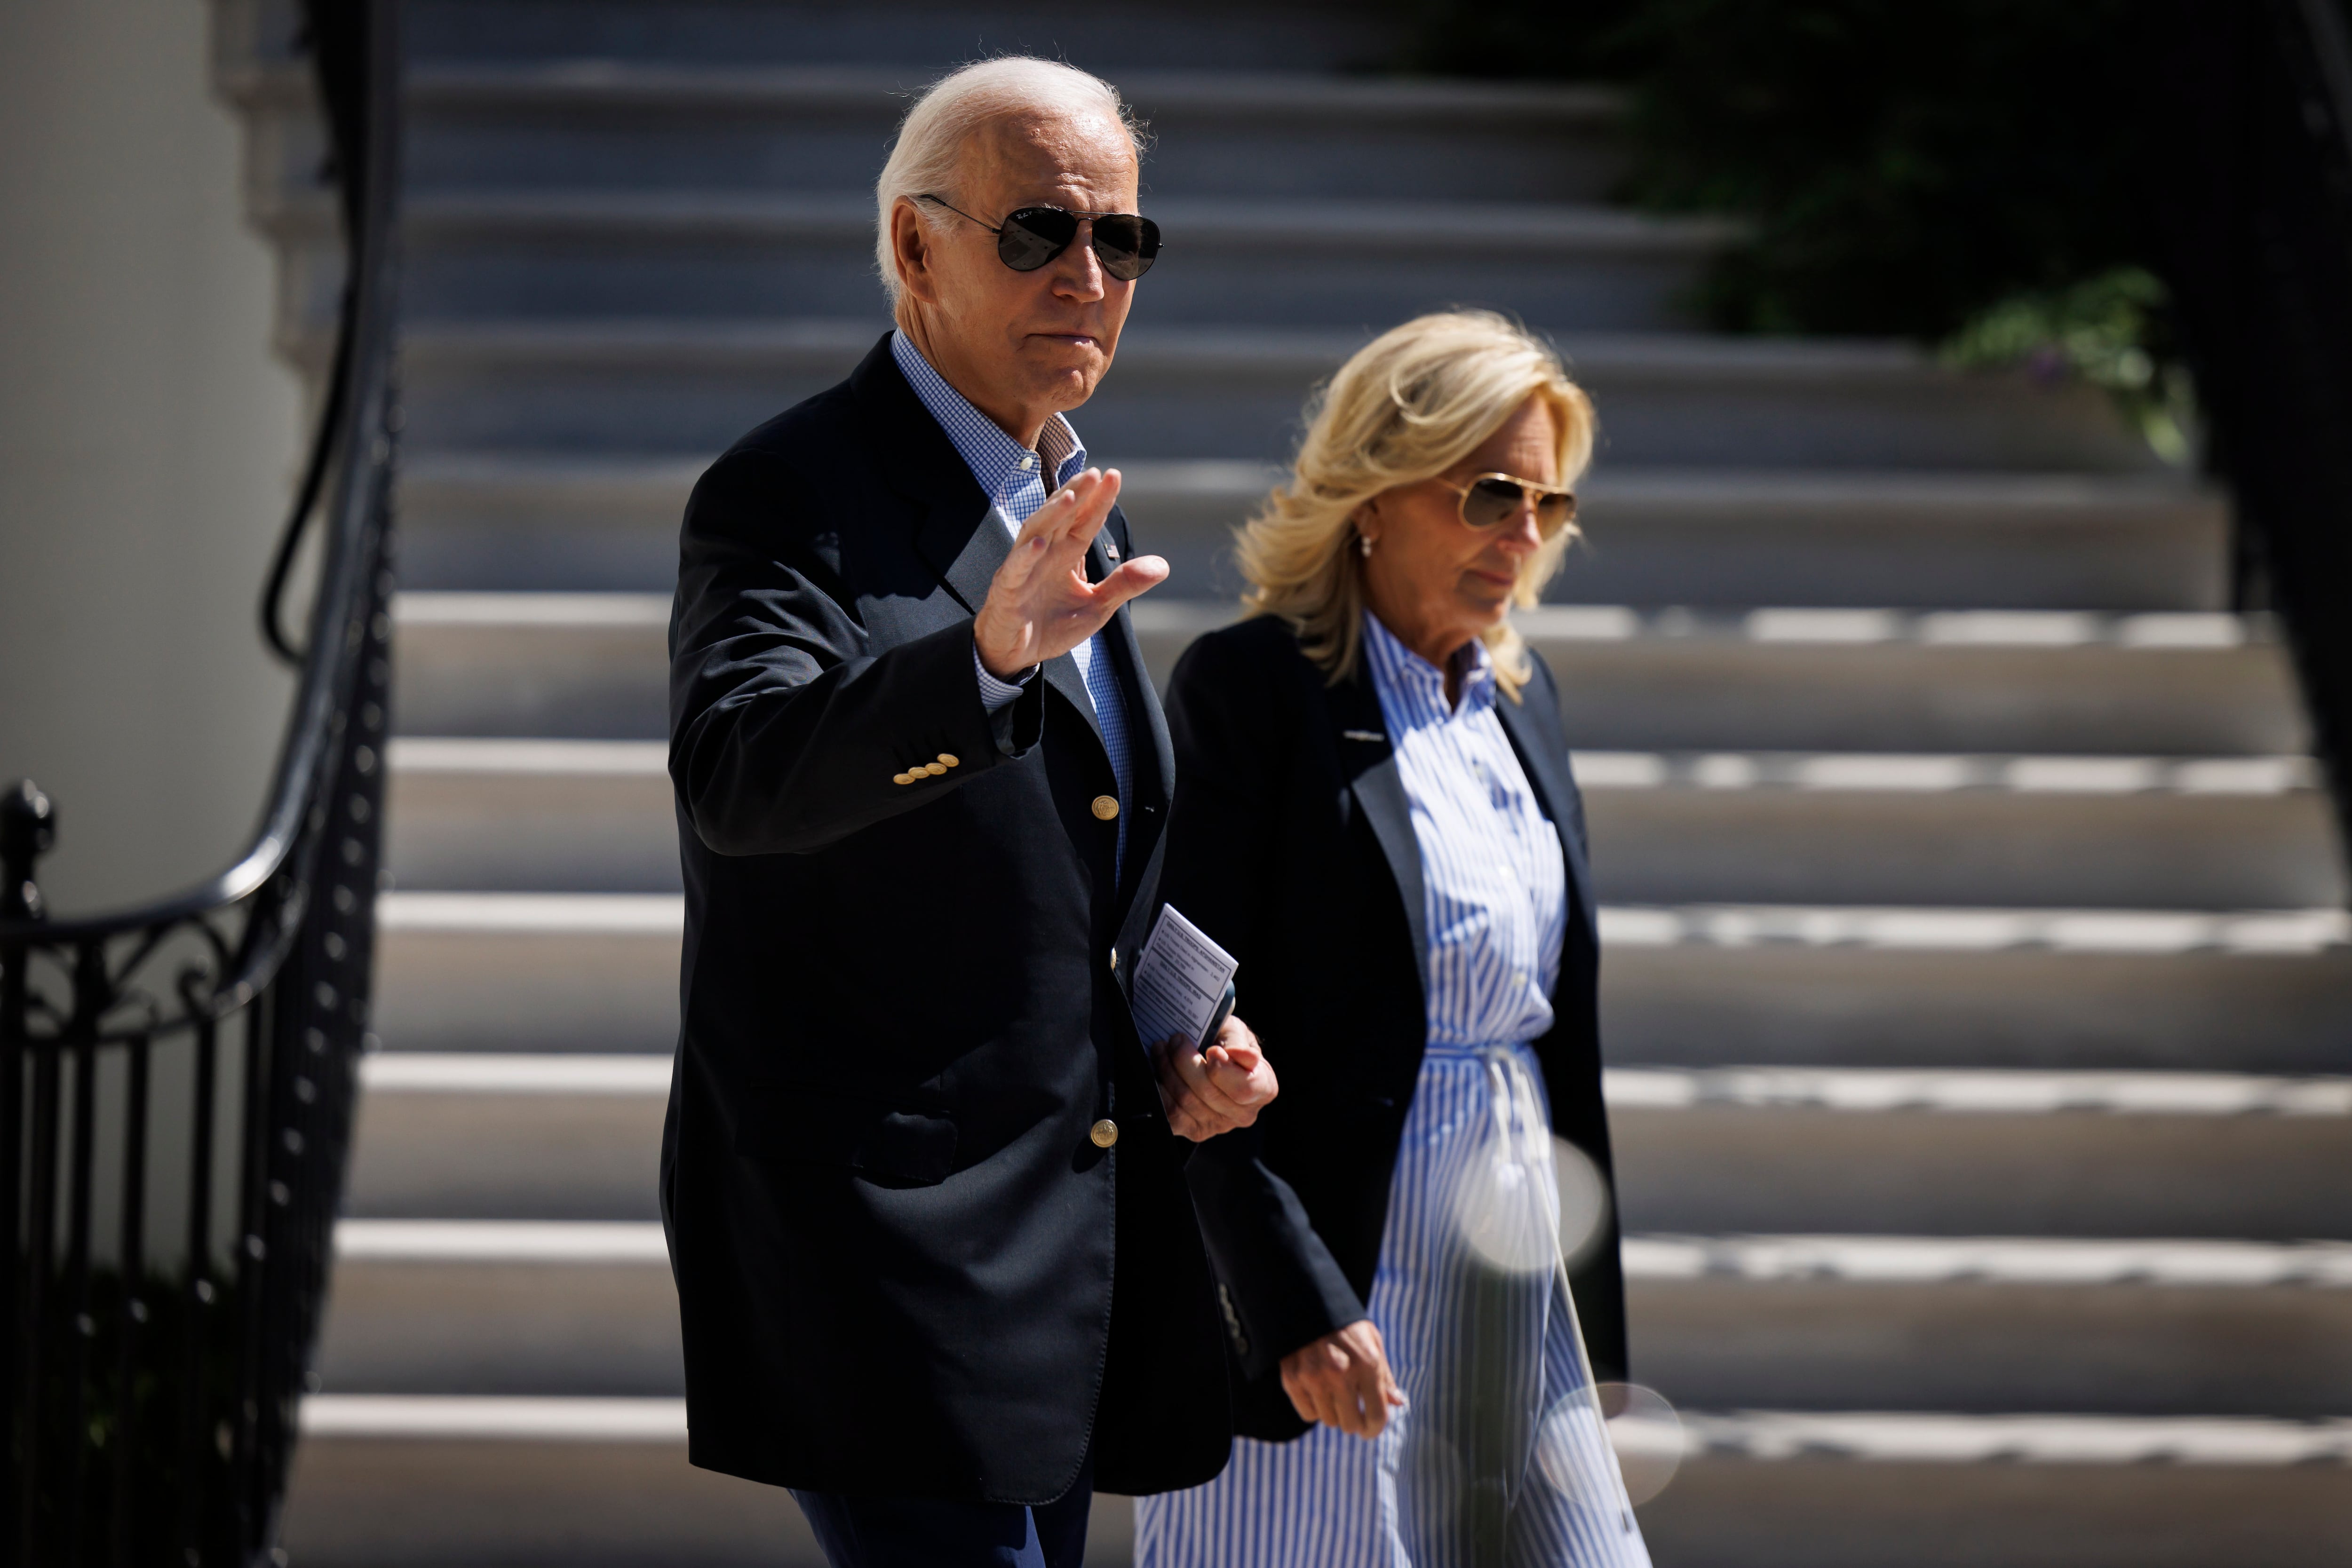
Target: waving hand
[1040,604]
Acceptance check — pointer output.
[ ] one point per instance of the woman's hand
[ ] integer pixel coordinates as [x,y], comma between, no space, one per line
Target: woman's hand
[1216,1090]
[1343,1380]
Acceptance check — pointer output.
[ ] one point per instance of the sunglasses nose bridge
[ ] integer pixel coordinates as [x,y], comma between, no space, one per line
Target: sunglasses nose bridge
[1524,525]
[1093,277]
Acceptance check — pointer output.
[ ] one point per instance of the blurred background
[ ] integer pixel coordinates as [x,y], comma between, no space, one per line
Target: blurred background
[1953,660]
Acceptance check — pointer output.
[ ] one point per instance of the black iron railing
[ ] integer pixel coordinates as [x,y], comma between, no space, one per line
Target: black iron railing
[2249,153]
[176,1081]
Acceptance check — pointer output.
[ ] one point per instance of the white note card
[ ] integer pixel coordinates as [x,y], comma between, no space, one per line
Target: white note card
[1179,980]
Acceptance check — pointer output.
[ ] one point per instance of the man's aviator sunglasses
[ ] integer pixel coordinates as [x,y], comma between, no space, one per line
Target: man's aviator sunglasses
[1492,499]
[1029,237]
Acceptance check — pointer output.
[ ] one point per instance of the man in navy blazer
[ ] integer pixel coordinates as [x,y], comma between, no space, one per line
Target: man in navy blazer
[923,1186]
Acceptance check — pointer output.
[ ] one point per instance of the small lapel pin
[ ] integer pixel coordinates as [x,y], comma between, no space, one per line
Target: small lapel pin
[1110,551]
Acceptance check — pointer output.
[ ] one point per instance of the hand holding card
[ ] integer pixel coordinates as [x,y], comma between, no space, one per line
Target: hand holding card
[1214,1076]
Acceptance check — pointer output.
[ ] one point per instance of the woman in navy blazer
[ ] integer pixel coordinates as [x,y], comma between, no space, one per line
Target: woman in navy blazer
[1341,789]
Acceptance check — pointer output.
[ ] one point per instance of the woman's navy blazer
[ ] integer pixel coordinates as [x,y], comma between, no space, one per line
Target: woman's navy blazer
[1292,845]
[904,1268]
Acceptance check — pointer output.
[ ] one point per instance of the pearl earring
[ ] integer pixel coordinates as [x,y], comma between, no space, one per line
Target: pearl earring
[1364,543]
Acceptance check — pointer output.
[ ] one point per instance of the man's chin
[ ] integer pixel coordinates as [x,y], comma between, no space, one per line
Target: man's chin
[1068,386]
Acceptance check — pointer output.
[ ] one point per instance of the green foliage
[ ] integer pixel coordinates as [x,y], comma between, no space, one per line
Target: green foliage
[2107,330]
[1907,163]
[1957,171]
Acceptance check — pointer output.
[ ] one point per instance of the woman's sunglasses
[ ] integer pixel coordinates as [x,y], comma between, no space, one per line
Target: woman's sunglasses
[1493,499]
[1029,237]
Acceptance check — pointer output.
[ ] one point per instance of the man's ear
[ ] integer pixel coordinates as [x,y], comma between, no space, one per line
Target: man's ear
[912,250]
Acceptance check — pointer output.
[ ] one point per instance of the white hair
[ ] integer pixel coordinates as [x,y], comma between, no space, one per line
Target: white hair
[929,153]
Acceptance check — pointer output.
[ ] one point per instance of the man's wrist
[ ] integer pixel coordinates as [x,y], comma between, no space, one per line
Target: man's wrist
[996,693]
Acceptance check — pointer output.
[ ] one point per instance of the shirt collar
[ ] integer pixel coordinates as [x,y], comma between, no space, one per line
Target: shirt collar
[1417,687]
[995,459]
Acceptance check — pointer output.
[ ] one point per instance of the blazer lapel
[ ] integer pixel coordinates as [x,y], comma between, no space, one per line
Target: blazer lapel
[1154,764]
[960,537]
[917,459]
[1544,757]
[1367,761]
[964,551]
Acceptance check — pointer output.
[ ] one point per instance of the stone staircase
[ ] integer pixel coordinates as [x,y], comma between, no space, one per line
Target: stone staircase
[1978,994]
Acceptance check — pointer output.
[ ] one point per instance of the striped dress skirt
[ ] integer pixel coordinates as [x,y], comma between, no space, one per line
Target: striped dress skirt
[1499,1459]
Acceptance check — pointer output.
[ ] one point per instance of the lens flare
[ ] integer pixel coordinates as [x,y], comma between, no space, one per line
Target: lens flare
[1646,1434]
[1504,1215]
[1583,1201]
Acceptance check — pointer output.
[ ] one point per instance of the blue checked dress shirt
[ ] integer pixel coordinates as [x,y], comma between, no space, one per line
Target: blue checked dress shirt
[1495,887]
[1011,477]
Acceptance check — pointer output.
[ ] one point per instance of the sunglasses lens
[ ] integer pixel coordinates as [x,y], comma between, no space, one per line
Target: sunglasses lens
[1494,500]
[1035,236]
[1127,245]
[1489,502]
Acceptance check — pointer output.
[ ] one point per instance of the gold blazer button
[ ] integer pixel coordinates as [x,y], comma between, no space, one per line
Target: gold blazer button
[1106,807]
[1104,1134]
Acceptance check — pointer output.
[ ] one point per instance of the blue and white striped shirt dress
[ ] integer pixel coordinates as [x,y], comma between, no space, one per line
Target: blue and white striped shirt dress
[1500,1455]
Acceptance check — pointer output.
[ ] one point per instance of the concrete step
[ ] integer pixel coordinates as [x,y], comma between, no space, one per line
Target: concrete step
[509,521]
[482,1137]
[697,255]
[605,1482]
[574,664]
[1782,1490]
[549,972]
[2068,831]
[594,816]
[2036,682]
[596,665]
[408,1481]
[545,1483]
[1951,1153]
[541,816]
[507,1307]
[506,972]
[2166,1327]
[1982,1151]
[1988,1325]
[1691,986]
[1212,34]
[1955,987]
[625,124]
[1203,34]
[682,388]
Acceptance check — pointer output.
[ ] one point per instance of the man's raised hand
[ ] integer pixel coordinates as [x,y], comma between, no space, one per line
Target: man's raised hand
[1040,604]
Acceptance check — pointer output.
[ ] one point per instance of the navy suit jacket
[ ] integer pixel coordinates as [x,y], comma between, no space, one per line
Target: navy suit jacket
[1292,846]
[904,1269]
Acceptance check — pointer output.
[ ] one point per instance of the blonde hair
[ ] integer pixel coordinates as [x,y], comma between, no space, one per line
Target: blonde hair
[927,156]
[1410,405]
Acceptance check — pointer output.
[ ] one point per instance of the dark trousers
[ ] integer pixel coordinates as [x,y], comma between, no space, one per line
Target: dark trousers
[909,1532]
